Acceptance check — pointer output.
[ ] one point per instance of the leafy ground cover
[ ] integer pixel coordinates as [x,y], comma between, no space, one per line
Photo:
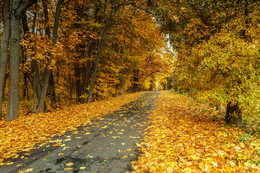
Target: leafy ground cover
[21,135]
[183,138]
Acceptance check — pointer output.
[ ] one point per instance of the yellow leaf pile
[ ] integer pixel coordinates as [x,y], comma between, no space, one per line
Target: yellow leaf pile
[184,139]
[22,134]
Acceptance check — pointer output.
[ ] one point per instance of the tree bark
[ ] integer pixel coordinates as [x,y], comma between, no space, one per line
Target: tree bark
[77,81]
[107,23]
[4,48]
[25,57]
[48,71]
[94,73]
[13,93]
[52,90]
[36,84]
[84,83]
[70,81]
[46,16]
[136,85]
[48,34]
[34,68]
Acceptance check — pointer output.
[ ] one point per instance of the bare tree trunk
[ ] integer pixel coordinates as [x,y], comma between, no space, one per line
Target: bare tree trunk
[107,23]
[70,87]
[25,57]
[25,80]
[46,16]
[4,49]
[48,33]
[13,93]
[52,90]
[136,85]
[77,81]
[94,73]
[36,84]
[84,83]
[48,71]
[34,68]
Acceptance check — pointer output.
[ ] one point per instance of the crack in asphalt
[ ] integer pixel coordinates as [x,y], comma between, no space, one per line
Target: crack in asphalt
[107,145]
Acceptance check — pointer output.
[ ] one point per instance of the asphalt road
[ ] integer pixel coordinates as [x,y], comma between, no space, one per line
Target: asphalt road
[107,145]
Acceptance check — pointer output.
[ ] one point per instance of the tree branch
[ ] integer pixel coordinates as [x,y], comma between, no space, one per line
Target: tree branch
[23,7]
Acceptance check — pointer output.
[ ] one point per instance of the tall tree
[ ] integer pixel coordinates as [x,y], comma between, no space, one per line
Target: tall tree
[217,45]
[48,70]
[6,15]
[101,44]
[18,7]
[107,23]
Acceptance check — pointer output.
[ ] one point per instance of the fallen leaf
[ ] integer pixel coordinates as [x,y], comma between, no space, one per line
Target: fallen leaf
[83,167]
[70,164]
[124,157]
[27,170]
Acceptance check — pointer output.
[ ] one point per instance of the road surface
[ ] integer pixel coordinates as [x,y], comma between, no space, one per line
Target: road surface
[107,145]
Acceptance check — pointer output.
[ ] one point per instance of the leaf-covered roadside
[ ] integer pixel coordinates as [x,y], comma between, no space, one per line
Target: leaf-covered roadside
[22,134]
[182,138]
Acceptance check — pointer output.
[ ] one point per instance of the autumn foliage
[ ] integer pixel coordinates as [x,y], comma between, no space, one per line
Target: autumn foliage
[184,136]
[55,53]
[22,134]
[78,50]
[217,52]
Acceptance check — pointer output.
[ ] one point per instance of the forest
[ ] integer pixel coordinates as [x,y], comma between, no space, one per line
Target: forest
[57,52]
[53,52]
[61,51]
[65,63]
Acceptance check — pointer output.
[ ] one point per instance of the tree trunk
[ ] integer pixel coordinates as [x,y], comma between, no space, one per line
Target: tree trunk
[107,23]
[70,86]
[13,92]
[52,91]
[48,33]
[24,56]
[48,71]
[84,83]
[78,81]
[94,73]
[4,48]
[36,84]
[34,68]
[136,85]
[46,17]
[25,86]
[234,114]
